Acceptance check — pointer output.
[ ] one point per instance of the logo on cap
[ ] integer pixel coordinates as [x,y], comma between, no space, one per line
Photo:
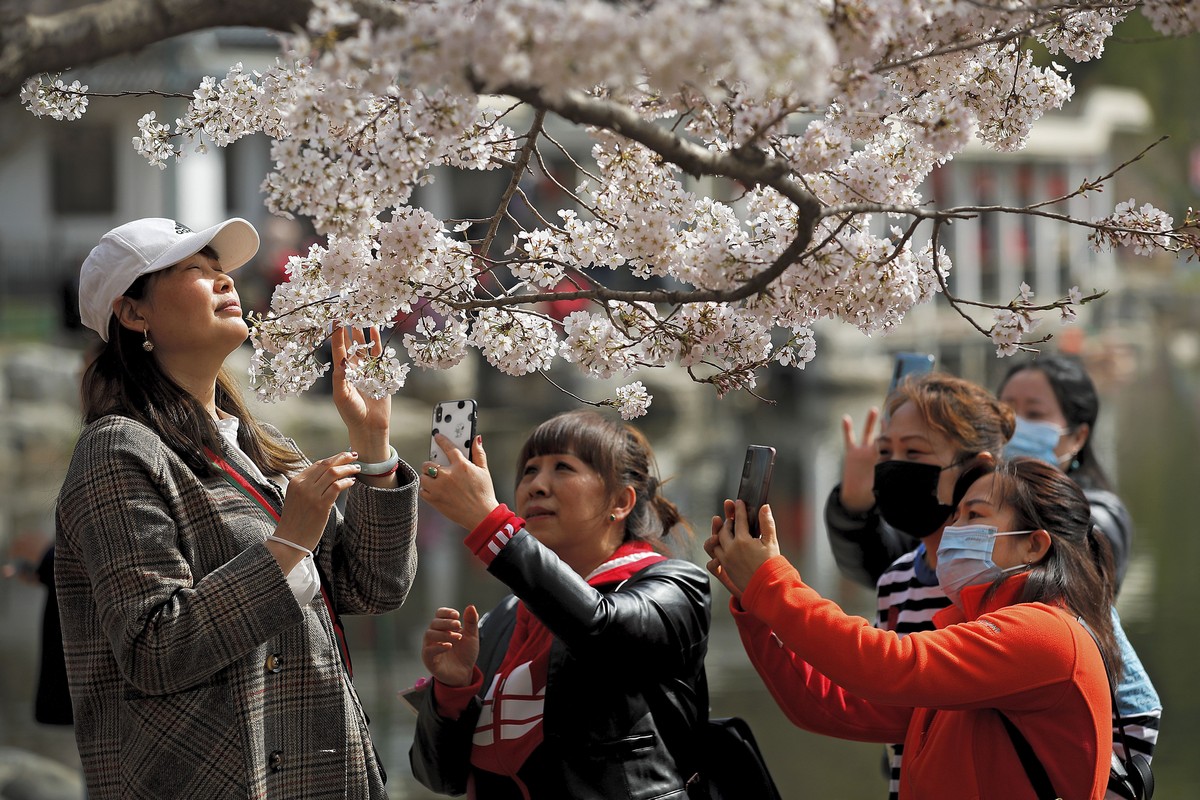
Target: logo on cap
[181,229]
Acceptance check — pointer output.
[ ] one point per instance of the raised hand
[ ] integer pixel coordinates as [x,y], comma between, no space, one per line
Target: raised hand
[367,419]
[311,494]
[736,555]
[858,470]
[714,564]
[450,646]
[463,491]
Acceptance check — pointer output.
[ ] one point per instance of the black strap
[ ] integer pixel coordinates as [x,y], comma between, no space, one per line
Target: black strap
[1112,690]
[1136,779]
[1029,760]
[1033,766]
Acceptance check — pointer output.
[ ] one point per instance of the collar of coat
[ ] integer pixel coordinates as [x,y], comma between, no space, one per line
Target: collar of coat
[975,605]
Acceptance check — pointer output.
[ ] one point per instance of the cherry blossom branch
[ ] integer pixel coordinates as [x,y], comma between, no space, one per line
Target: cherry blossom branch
[1098,183]
[519,167]
[749,166]
[79,34]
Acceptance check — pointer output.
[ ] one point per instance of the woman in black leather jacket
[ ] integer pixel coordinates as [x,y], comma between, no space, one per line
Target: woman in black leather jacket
[586,680]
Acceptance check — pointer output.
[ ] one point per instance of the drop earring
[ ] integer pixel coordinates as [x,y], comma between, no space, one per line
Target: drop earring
[147,345]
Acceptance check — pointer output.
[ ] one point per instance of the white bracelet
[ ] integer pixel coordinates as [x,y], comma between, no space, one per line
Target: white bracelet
[380,467]
[291,544]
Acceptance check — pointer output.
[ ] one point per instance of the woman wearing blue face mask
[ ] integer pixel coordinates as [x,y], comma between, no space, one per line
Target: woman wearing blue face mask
[1025,565]
[1056,405]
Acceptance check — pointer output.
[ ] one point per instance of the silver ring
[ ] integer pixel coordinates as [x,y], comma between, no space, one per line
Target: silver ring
[431,472]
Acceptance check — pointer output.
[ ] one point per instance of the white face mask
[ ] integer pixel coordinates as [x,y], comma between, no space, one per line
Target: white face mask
[964,558]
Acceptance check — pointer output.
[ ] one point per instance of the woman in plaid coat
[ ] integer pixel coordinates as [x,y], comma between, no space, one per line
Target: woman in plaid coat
[199,607]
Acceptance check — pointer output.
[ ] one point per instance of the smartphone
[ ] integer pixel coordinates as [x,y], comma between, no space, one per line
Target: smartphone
[909,364]
[454,419]
[413,696]
[756,480]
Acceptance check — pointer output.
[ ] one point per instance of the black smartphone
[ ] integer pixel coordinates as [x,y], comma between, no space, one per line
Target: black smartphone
[756,481]
[909,364]
[456,420]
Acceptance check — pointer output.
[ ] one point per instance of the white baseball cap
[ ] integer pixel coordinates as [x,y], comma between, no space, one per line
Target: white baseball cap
[147,245]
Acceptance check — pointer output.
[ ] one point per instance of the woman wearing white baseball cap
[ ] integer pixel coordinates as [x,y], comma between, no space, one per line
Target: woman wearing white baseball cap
[200,563]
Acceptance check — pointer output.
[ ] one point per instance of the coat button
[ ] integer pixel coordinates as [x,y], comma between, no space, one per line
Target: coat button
[274,663]
[275,760]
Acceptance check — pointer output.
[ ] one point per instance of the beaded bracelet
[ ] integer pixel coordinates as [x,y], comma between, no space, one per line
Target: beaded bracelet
[380,469]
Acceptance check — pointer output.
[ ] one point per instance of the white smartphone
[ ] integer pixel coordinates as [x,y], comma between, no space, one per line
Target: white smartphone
[756,481]
[454,419]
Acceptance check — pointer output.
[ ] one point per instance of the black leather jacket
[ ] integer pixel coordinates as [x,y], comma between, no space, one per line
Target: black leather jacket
[619,651]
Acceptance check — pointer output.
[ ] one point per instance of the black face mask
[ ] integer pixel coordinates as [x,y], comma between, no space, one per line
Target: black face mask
[906,494]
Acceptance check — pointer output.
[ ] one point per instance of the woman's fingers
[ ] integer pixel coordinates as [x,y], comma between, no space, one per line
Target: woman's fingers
[868,430]
[869,425]
[848,431]
[335,473]
[445,627]
[766,526]
[470,621]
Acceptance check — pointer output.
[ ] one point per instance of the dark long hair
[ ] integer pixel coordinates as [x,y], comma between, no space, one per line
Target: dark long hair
[124,379]
[621,456]
[1076,570]
[1080,404]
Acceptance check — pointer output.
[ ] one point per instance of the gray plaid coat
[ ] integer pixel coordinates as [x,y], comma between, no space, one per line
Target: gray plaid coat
[193,671]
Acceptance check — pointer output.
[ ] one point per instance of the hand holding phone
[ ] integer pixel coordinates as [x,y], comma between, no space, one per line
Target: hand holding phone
[756,481]
[454,419]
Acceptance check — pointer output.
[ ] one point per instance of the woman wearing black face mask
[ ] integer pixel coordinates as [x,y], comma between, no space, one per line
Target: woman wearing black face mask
[886,517]
[898,488]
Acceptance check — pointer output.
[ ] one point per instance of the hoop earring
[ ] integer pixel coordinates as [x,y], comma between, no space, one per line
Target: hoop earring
[147,345]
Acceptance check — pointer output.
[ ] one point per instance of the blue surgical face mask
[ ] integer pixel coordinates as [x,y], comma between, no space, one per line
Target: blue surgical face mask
[1035,439]
[964,558]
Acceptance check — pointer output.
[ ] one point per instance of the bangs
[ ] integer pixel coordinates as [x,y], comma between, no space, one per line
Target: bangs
[587,436]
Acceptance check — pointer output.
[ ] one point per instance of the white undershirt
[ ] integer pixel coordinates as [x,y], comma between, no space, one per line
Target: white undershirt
[303,579]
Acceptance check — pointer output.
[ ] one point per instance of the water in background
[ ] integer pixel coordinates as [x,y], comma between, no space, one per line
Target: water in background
[1151,414]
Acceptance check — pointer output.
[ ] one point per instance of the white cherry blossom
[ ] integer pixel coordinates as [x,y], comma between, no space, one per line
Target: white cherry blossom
[734,161]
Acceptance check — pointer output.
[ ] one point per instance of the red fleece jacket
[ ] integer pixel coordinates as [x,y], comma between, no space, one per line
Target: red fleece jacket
[939,691]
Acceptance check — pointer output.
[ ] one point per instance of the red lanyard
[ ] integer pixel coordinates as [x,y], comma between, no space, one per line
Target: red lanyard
[240,482]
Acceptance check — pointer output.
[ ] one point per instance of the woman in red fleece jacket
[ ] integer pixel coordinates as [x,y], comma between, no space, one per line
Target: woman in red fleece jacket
[1019,560]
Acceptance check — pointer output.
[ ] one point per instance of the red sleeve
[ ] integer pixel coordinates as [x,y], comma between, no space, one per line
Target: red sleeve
[490,536]
[452,701]
[809,699]
[1020,657]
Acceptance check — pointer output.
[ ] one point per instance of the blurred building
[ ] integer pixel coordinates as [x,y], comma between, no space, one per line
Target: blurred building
[67,183]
